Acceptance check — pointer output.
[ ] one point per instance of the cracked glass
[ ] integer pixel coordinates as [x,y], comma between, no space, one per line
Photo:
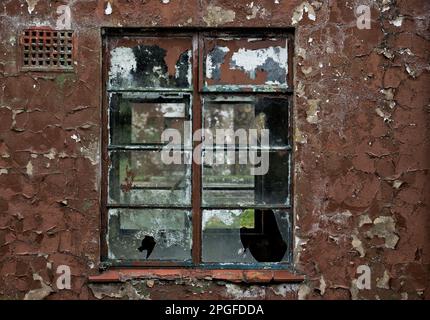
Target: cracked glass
[149,234]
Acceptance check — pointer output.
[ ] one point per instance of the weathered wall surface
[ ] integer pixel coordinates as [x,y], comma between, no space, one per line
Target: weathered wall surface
[362,103]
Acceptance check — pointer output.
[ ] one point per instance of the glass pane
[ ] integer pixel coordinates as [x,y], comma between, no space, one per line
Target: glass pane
[245,236]
[149,234]
[242,114]
[149,62]
[142,118]
[232,183]
[238,64]
[143,177]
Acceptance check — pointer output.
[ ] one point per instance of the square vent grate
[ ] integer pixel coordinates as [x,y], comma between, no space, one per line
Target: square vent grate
[47,49]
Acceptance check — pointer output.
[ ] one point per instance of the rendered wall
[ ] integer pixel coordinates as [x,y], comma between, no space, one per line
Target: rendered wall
[361,123]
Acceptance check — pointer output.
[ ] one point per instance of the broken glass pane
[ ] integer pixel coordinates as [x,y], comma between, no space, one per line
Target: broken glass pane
[245,178]
[235,64]
[242,114]
[143,177]
[245,236]
[149,234]
[149,62]
[137,118]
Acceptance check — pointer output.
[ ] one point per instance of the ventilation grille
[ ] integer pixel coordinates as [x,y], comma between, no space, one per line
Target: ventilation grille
[47,50]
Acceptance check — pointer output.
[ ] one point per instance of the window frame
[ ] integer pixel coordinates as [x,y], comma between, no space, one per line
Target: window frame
[196,104]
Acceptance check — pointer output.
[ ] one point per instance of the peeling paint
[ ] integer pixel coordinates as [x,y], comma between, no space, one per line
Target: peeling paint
[284,290]
[300,90]
[216,15]
[383,115]
[389,93]
[304,291]
[123,62]
[91,152]
[410,71]
[238,292]
[384,282]
[358,245]
[29,169]
[300,137]
[214,60]
[397,184]
[312,112]
[31,4]
[120,291]
[385,227]
[76,138]
[41,293]
[167,64]
[354,290]
[51,154]
[397,22]
[322,286]
[108,10]
[363,220]
[299,10]
[257,64]
[273,60]
[256,10]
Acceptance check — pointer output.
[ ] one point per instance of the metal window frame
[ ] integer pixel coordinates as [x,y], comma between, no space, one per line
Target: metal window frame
[197,35]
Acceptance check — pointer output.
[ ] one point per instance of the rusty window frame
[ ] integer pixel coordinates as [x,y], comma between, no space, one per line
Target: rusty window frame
[197,93]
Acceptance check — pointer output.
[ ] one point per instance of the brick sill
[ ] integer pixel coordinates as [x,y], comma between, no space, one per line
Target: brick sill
[236,276]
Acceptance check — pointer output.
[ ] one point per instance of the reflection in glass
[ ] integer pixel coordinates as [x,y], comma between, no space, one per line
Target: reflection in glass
[233,183]
[139,119]
[247,113]
[141,177]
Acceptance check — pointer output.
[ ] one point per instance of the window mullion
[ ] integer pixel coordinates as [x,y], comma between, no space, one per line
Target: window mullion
[196,168]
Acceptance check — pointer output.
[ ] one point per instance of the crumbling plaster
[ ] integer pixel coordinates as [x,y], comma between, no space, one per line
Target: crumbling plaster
[361,116]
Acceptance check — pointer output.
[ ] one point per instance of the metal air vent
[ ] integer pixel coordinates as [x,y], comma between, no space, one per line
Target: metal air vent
[45,49]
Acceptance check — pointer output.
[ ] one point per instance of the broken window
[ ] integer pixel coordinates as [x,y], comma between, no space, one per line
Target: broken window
[245,236]
[226,199]
[156,234]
